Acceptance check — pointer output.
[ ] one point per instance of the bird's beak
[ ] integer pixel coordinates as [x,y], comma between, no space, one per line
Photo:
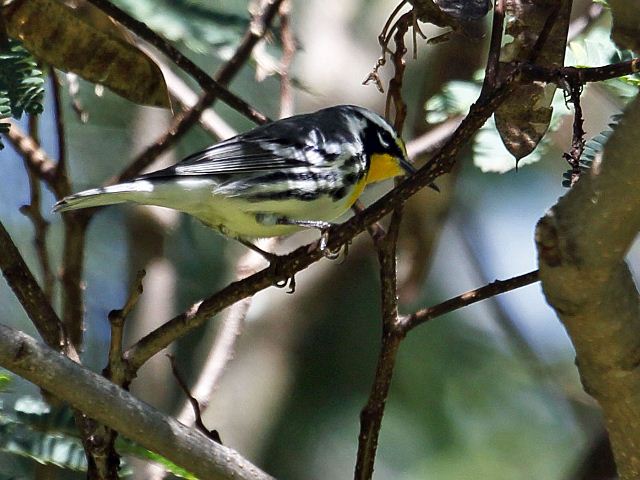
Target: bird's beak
[407,167]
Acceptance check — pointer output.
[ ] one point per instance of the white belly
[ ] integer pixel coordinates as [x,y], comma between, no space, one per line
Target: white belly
[236,217]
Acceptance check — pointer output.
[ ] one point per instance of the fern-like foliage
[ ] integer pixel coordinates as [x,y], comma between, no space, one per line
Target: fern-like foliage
[489,153]
[5,112]
[202,27]
[33,429]
[592,149]
[21,83]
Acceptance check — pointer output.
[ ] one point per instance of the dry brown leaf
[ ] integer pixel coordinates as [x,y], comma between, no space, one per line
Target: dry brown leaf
[524,118]
[66,40]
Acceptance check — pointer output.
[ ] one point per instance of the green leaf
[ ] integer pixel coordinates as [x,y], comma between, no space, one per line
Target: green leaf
[203,27]
[126,446]
[489,153]
[21,82]
[596,49]
[5,379]
[455,99]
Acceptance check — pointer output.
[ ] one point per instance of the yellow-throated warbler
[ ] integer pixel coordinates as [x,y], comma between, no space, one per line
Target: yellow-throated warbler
[298,172]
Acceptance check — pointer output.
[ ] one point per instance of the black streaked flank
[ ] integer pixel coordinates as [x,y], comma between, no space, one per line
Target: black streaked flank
[290,194]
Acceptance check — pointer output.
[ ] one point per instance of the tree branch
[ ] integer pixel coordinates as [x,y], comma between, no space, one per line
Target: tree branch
[108,404]
[371,415]
[204,80]
[37,159]
[29,293]
[497,287]
[495,46]
[301,258]
[582,243]
[183,122]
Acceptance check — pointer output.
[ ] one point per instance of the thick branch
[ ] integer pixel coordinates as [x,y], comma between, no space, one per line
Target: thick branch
[582,243]
[108,404]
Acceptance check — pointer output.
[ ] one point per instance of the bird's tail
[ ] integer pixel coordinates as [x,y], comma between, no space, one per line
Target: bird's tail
[96,197]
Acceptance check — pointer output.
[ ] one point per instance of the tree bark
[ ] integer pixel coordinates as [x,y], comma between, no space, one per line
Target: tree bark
[111,405]
[582,242]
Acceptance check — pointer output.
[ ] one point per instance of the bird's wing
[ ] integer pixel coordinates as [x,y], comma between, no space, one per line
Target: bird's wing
[252,152]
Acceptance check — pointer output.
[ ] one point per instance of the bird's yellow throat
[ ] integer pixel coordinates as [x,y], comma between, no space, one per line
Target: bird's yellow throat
[383,166]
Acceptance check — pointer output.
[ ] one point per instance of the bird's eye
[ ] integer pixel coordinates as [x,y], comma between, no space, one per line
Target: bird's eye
[383,141]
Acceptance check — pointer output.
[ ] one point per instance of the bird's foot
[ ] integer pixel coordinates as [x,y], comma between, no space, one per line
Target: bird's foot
[274,265]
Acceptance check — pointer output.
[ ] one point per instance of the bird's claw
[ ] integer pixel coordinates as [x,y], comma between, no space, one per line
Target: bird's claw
[326,252]
[283,282]
[332,254]
[290,282]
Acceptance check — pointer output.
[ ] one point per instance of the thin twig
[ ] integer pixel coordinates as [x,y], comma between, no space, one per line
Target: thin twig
[212,434]
[388,30]
[301,258]
[183,122]
[30,295]
[372,413]
[394,331]
[231,326]
[102,439]
[288,51]
[399,64]
[34,213]
[78,108]
[287,265]
[577,140]
[497,287]
[493,60]
[61,166]
[114,370]
[183,94]
[75,231]
[258,28]
[560,76]
[383,39]
[37,158]
[205,81]
[376,230]
[75,224]
[545,33]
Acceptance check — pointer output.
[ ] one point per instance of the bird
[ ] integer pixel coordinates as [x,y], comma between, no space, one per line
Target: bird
[296,173]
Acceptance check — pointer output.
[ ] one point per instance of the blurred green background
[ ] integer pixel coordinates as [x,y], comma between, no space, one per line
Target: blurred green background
[488,392]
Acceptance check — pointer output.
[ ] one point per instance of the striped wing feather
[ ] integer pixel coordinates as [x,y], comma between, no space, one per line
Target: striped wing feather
[245,153]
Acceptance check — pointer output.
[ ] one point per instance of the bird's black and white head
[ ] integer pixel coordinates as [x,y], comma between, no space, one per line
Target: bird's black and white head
[384,148]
